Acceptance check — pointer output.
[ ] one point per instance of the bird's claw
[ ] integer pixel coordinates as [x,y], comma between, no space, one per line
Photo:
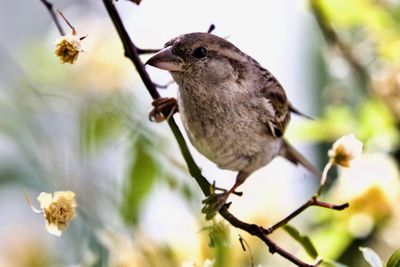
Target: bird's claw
[162,106]
[213,203]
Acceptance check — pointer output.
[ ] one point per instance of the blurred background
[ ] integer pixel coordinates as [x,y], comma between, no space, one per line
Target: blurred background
[84,128]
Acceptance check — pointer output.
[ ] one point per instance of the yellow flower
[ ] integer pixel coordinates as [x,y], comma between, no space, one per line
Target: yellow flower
[68,48]
[345,149]
[58,210]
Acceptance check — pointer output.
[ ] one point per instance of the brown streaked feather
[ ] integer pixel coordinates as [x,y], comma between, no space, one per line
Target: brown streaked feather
[277,98]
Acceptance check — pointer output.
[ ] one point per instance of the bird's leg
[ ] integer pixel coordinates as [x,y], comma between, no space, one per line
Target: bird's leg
[214,202]
[163,109]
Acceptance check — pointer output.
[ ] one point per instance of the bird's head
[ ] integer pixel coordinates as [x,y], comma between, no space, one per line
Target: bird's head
[200,57]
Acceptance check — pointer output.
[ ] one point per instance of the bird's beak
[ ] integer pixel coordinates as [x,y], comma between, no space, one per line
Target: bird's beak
[165,60]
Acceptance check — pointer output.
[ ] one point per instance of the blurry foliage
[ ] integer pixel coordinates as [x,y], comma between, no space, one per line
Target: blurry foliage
[375,23]
[142,173]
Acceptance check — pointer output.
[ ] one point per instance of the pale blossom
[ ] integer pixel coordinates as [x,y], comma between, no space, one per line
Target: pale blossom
[345,149]
[58,210]
[68,48]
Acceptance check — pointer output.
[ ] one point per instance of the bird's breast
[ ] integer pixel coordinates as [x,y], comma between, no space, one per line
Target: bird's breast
[226,129]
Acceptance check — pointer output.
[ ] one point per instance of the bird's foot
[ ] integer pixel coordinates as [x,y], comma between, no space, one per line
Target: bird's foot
[163,109]
[213,203]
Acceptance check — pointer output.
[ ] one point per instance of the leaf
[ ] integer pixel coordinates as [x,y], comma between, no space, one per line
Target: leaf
[305,241]
[394,260]
[142,173]
[371,257]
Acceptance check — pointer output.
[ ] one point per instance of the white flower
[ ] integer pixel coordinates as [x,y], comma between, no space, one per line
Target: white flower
[68,48]
[58,210]
[345,149]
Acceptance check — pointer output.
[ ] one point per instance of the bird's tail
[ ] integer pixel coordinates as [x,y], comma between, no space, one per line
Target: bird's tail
[290,153]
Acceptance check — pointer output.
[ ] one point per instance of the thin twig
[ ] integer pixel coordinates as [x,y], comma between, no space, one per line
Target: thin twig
[67,21]
[259,231]
[142,51]
[313,201]
[53,15]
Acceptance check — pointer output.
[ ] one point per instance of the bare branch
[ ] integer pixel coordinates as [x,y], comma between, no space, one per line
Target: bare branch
[132,53]
[147,51]
[313,201]
[67,21]
[53,15]
[260,232]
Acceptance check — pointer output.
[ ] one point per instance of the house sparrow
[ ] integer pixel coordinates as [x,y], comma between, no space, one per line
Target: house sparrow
[234,111]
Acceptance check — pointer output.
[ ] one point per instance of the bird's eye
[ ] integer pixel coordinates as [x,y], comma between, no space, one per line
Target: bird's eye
[200,52]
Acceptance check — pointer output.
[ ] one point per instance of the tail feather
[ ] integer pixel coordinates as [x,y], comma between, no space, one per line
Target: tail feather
[290,153]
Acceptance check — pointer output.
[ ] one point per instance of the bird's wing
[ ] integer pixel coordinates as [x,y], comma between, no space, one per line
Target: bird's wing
[276,105]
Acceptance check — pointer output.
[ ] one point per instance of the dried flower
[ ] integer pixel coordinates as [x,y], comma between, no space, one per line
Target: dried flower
[345,149]
[68,48]
[58,210]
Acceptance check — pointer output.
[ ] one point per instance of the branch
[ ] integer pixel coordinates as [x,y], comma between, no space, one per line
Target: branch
[146,51]
[132,52]
[313,201]
[53,15]
[261,233]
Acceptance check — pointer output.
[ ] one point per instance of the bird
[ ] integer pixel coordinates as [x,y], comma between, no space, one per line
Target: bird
[234,111]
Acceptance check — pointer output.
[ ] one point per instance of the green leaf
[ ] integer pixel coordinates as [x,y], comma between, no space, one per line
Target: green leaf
[141,176]
[371,257]
[394,260]
[305,241]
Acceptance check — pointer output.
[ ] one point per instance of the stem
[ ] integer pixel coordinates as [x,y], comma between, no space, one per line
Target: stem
[324,177]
